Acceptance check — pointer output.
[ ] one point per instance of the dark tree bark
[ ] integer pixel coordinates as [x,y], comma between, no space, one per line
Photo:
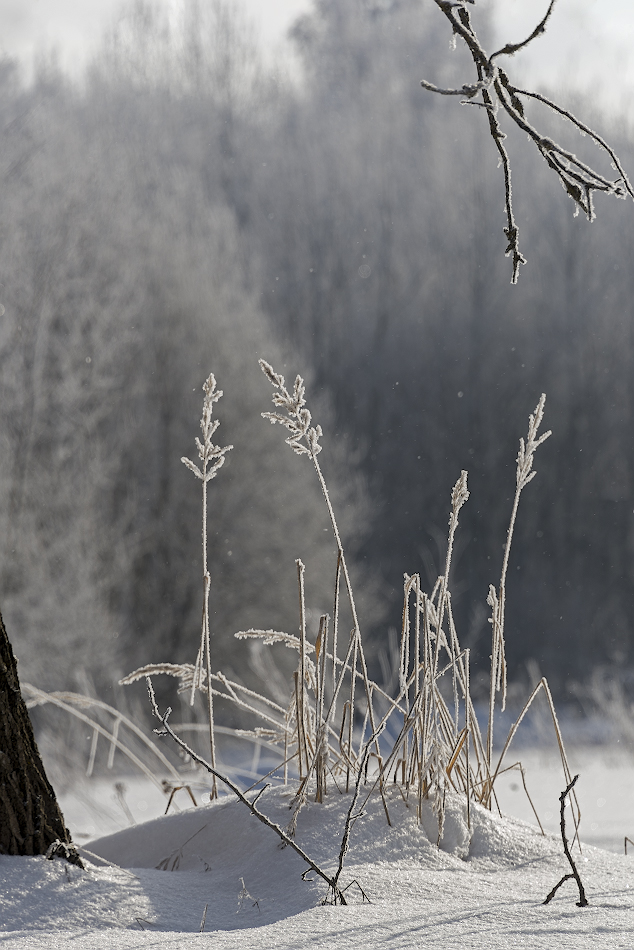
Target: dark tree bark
[30,818]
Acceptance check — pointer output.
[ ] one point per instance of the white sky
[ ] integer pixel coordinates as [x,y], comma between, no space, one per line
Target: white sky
[589,42]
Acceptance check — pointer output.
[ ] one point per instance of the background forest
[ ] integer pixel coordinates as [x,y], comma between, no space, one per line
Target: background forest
[187,207]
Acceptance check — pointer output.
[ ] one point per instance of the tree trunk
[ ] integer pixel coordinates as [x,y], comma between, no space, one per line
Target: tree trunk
[30,818]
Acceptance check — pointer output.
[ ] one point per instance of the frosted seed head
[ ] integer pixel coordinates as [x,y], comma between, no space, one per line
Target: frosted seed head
[298,418]
[303,417]
[297,447]
[299,391]
[460,493]
[193,468]
[268,371]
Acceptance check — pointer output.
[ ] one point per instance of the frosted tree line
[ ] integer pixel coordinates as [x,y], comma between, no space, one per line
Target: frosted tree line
[188,208]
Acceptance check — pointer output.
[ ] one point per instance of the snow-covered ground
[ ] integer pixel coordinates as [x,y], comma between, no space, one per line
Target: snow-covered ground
[483,888]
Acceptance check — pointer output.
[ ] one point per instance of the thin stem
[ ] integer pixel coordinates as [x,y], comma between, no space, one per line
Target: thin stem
[467,726]
[164,720]
[301,712]
[582,902]
[583,128]
[511,48]
[353,607]
[207,585]
[497,90]
[335,622]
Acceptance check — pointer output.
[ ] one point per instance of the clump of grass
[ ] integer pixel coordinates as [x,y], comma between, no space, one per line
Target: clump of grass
[426,738]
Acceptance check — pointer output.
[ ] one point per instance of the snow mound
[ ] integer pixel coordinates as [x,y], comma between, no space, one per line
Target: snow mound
[483,887]
[224,836]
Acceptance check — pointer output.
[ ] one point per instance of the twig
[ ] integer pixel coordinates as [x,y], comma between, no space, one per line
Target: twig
[173,859]
[167,729]
[582,128]
[511,48]
[261,792]
[172,789]
[350,820]
[578,179]
[62,849]
[582,902]
[244,895]
[301,698]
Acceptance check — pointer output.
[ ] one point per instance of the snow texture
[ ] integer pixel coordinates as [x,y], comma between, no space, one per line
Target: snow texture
[482,888]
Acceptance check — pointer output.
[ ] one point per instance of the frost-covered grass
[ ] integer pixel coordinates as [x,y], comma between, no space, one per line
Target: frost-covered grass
[425,733]
[444,837]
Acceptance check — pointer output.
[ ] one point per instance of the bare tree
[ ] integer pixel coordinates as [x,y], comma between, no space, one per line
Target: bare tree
[30,818]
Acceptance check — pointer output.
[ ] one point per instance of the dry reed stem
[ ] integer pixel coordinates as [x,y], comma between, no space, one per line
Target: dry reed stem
[301,697]
[543,685]
[304,440]
[212,458]
[321,740]
[335,622]
[467,725]
[459,496]
[497,600]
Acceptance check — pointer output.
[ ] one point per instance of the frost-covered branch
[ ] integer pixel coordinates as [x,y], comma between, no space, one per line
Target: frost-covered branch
[579,180]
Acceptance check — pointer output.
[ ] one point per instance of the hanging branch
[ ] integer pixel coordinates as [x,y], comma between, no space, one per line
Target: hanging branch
[582,902]
[579,180]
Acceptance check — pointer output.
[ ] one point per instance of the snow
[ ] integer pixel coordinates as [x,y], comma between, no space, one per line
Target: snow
[483,888]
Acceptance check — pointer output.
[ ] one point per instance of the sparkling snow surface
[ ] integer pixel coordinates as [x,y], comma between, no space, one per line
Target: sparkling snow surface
[483,888]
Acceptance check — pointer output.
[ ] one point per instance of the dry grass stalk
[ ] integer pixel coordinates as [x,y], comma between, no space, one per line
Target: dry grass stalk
[497,599]
[543,686]
[304,440]
[212,459]
[74,703]
[333,886]
[300,695]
